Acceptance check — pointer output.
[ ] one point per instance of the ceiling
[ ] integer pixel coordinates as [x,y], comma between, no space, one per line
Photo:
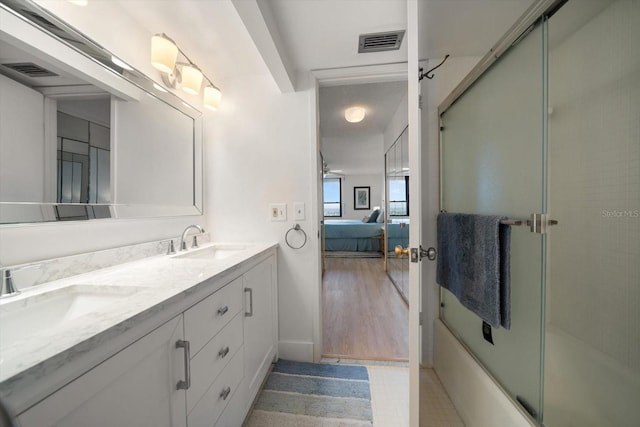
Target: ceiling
[323,34]
[296,36]
[380,101]
[318,34]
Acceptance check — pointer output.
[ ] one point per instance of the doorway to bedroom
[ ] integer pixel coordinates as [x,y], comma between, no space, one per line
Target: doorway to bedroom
[364,182]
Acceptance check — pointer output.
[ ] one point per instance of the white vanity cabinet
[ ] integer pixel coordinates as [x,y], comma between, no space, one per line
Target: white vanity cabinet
[203,368]
[135,387]
[260,324]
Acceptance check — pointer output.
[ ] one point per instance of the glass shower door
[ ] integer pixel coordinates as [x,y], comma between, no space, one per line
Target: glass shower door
[493,162]
[592,339]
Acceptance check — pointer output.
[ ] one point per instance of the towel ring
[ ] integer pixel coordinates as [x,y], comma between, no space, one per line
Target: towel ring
[296,228]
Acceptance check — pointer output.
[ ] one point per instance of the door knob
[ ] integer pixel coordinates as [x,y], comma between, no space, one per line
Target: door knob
[399,251]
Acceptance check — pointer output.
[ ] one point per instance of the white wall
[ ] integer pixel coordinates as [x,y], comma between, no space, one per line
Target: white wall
[374,181]
[397,124]
[258,155]
[22,153]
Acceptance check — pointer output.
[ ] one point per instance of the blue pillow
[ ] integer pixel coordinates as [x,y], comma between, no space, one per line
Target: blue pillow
[374,216]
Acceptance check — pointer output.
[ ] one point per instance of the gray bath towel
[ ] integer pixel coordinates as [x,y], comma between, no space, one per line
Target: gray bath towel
[473,263]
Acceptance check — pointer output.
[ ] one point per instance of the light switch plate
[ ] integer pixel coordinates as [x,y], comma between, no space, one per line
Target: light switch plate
[278,211]
[298,211]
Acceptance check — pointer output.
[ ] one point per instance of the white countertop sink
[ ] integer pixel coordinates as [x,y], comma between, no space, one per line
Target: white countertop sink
[33,312]
[53,332]
[212,252]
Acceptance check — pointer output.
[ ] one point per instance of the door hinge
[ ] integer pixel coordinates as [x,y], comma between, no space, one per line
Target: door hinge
[420,318]
[420,102]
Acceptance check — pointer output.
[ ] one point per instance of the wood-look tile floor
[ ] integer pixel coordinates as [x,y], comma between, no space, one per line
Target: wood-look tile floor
[364,317]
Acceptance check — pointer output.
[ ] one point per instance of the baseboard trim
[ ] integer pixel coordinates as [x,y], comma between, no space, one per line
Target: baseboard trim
[476,396]
[299,351]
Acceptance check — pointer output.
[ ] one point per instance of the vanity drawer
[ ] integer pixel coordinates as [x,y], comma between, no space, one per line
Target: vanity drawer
[205,319]
[212,359]
[208,409]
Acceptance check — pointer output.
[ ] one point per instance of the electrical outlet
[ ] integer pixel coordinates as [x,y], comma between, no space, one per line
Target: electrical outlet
[298,211]
[278,211]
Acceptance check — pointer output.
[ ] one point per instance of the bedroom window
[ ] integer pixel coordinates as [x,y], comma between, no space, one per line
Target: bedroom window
[332,197]
[399,196]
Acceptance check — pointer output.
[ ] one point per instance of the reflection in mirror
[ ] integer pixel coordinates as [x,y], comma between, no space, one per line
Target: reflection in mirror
[83,138]
[83,151]
[397,208]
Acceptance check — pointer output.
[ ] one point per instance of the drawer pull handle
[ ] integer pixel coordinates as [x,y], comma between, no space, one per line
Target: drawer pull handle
[184,385]
[250,292]
[225,393]
[223,310]
[223,353]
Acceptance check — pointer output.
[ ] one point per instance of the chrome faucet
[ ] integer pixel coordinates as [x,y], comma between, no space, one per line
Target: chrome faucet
[8,289]
[183,244]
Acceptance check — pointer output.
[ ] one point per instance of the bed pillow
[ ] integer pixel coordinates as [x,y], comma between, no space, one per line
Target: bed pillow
[374,216]
[380,219]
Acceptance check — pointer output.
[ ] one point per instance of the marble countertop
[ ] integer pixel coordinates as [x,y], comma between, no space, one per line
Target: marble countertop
[159,288]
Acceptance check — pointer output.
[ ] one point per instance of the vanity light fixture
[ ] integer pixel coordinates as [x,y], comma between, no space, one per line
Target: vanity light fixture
[164,57]
[354,114]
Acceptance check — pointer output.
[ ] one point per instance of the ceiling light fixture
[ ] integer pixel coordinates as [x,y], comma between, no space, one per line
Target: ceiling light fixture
[164,57]
[79,2]
[354,114]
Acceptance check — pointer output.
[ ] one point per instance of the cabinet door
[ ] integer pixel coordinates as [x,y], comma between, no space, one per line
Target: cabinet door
[135,387]
[260,323]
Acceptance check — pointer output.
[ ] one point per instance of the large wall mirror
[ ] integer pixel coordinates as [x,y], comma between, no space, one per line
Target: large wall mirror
[84,136]
[397,208]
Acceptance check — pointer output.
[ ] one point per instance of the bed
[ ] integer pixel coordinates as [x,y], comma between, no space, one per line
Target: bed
[352,235]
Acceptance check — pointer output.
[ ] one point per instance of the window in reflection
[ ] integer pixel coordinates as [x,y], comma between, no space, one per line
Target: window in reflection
[399,196]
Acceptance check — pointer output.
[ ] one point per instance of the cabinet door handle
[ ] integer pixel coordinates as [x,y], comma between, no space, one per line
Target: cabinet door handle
[225,393]
[184,385]
[223,310]
[223,353]
[250,292]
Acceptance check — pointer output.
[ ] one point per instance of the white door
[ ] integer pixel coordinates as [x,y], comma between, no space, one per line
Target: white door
[415,216]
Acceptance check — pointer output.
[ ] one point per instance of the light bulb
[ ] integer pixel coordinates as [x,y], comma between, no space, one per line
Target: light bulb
[212,97]
[191,79]
[164,53]
[354,114]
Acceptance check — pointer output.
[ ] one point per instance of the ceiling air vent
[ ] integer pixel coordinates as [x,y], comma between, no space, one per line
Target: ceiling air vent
[30,69]
[380,42]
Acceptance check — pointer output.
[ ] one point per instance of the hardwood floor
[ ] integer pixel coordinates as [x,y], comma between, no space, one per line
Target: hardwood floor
[364,317]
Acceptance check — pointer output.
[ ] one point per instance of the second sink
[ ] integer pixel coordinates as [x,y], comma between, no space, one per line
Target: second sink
[212,252]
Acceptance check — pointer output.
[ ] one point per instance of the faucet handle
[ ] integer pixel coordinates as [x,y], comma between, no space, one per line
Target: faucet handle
[195,242]
[171,250]
[8,289]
